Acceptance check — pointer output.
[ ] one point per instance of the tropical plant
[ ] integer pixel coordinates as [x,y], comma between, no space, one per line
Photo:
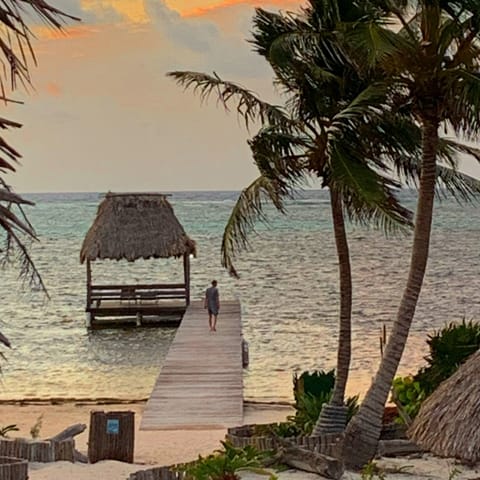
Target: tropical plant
[327,130]
[449,348]
[409,395]
[372,471]
[338,125]
[315,383]
[432,61]
[36,427]
[15,54]
[4,431]
[227,463]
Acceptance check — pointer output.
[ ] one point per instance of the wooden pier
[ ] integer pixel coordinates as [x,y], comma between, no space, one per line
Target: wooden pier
[200,384]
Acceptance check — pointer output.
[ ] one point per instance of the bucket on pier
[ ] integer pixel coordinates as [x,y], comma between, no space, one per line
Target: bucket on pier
[245,358]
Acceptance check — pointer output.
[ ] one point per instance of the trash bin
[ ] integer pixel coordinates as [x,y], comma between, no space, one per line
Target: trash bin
[111,436]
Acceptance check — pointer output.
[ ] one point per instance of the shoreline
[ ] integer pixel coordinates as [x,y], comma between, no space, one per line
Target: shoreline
[116,401]
[169,447]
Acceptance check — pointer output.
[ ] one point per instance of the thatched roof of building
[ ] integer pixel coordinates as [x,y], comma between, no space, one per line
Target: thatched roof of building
[448,423]
[133,226]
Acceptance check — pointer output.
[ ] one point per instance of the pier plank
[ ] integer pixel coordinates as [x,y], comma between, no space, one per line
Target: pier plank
[200,383]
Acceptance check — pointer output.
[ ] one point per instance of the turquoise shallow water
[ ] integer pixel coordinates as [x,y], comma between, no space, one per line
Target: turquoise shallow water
[288,289]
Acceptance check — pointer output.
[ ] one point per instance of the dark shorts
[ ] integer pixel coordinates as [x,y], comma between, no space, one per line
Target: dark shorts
[212,311]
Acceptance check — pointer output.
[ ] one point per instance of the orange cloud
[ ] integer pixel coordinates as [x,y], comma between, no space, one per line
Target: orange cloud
[53,89]
[75,31]
[200,11]
[133,10]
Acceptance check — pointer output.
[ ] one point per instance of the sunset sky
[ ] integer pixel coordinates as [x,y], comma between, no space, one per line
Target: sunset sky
[103,115]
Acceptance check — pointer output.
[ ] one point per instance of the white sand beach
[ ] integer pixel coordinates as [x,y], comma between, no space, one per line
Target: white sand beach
[159,448]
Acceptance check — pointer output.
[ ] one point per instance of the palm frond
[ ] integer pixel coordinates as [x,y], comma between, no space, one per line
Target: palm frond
[248,105]
[462,103]
[373,43]
[246,213]
[14,245]
[363,108]
[462,187]
[281,156]
[369,197]
[462,148]
[15,38]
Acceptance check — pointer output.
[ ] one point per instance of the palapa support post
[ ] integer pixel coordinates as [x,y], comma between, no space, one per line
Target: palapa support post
[186,273]
[89,284]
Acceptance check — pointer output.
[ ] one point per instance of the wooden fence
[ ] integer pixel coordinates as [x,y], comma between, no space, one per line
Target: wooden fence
[37,451]
[160,473]
[13,468]
[242,436]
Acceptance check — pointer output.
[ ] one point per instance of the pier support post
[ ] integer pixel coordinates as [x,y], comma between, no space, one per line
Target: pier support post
[186,275]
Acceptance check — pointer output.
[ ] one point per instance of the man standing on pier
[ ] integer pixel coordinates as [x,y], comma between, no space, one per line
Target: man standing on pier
[212,303]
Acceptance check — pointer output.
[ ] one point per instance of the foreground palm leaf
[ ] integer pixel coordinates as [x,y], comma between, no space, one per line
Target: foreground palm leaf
[15,54]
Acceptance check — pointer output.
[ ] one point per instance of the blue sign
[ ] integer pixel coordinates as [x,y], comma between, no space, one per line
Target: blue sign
[113,426]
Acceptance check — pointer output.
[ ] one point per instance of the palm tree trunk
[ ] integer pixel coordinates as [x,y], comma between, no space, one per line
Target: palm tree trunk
[333,416]
[363,432]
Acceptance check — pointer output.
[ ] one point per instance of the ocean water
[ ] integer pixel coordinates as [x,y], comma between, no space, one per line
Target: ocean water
[288,290]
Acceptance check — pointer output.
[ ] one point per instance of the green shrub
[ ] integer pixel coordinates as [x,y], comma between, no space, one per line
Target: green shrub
[410,394]
[308,408]
[285,429]
[307,411]
[226,463]
[353,406]
[449,348]
[318,383]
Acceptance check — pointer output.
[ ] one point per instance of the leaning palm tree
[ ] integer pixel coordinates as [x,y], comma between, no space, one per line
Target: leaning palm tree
[17,53]
[320,79]
[433,61]
[284,158]
[326,132]
[341,108]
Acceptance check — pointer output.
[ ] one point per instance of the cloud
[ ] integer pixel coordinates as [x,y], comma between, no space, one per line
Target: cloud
[53,89]
[197,35]
[279,4]
[88,11]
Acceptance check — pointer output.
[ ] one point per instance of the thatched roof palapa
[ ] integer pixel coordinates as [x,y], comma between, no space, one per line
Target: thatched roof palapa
[135,225]
[448,423]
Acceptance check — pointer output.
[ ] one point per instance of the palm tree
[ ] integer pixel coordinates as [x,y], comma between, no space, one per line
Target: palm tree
[17,52]
[325,132]
[433,62]
[320,82]
[331,130]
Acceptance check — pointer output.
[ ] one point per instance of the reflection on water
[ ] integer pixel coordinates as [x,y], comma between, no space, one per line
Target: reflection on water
[288,290]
